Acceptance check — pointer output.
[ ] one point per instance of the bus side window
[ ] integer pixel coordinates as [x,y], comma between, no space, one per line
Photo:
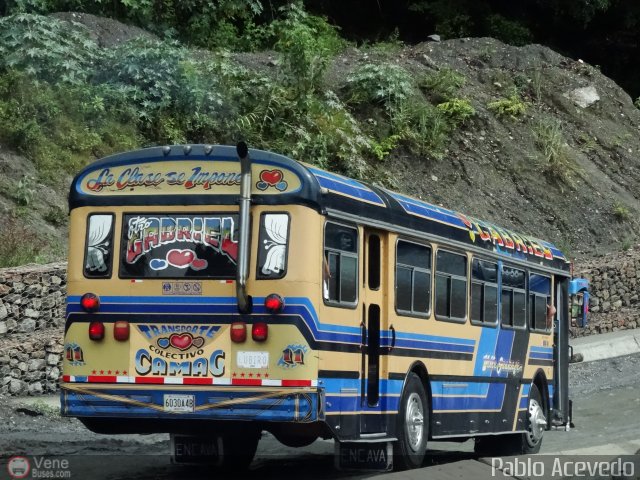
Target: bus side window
[539,298]
[413,278]
[341,264]
[484,293]
[514,294]
[451,286]
[98,256]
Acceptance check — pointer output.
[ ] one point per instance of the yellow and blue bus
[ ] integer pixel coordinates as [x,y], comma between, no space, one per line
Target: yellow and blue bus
[215,292]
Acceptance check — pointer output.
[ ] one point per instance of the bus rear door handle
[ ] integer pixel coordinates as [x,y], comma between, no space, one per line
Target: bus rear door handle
[393,337]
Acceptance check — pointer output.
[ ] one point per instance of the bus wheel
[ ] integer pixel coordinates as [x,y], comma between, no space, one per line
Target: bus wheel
[412,425]
[239,449]
[518,443]
[536,424]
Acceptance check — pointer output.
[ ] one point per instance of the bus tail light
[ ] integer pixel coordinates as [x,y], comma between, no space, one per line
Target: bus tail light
[238,332]
[90,302]
[259,331]
[274,303]
[96,331]
[121,330]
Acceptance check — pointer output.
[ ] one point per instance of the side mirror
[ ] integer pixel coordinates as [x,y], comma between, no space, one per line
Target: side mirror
[579,291]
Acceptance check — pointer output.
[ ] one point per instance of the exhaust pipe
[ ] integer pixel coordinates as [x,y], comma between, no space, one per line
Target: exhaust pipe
[242,273]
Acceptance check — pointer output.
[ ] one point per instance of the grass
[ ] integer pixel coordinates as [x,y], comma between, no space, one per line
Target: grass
[512,107]
[621,212]
[550,141]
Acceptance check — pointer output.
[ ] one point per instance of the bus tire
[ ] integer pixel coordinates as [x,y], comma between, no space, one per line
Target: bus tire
[412,425]
[525,443]
[238,449]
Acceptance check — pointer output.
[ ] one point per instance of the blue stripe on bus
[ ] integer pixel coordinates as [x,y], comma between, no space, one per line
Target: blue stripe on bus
[492,401]
[426,210]
[459,389]
[294,306]
[540,356]
[346,186]
[486,347]
[542,349]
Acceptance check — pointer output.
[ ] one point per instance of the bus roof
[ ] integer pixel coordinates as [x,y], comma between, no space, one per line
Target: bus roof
[210,175]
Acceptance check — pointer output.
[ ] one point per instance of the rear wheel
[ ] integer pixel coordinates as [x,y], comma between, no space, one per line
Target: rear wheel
[412,425]
[518,443]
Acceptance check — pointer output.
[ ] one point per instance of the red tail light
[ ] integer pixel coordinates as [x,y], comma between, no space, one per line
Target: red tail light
[260,331]
[90,302]
[121,330]
[238,332]
[274,303]
[96,331]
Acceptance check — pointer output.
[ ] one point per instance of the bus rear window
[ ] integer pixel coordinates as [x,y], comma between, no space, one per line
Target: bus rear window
[179,246]
[98,256]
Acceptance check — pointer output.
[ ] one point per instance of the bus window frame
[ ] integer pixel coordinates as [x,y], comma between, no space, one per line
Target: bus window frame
[525,325]
[458,320]
[479,323]
[411,313]
[549,297]
[109,273]
[287,244]
[327,301]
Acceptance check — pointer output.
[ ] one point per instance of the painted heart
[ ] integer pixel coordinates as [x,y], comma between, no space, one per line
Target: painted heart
[181,341]
[198,342]
[180,258]
[158,264]
[199,264]
[163,342]
[272,177]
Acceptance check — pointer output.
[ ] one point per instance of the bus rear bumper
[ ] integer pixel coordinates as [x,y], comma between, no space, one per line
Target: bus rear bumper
[290,404]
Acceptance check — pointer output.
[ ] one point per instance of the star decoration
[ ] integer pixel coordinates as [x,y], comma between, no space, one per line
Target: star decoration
[251,374]
[258,375]
[266,375]
[101,372]
[124,372]
[94,372]
[242,374]
[117,372]
[109,372]
[234,374]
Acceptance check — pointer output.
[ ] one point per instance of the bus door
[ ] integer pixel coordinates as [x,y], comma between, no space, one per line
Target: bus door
[374,321]
[561,408]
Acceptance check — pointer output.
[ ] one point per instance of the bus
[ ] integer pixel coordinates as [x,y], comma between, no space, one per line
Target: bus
[216,292]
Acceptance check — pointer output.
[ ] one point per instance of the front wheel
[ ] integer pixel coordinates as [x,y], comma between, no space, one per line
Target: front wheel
[526,443]
[412,425]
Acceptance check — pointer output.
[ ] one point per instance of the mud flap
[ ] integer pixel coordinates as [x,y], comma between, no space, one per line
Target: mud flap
[194,450]
[372,456]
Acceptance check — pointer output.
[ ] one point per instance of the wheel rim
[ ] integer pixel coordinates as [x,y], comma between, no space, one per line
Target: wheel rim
[414,421]
[537,423]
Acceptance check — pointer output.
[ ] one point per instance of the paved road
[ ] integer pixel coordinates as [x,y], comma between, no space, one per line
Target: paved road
[606,411]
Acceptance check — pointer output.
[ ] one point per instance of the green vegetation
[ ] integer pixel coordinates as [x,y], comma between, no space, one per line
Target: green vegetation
[512,106]
[443,84]
[550,141]
[621,212]
[19,245]
[458,110]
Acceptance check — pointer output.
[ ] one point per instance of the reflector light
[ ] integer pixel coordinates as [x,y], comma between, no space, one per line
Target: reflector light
[274,303]
[96,331]
[121,330]
[238,332]
[90,302]
[260,331]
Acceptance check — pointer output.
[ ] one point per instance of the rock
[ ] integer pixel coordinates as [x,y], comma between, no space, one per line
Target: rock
[617,304]
[434,38]
[35,388]
[583,97]
[4,289]
[22,366]
[55,280]
[3,328]
[36,364]
[16,386]
[31,313]
[53,359]
[3,311]
[28,325]
[18,287]
[54,374]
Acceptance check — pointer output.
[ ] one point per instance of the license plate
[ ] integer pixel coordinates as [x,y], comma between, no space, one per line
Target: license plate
[179,403]
[252,359]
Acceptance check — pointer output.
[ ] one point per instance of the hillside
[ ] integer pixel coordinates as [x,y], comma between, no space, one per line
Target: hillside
[496,135]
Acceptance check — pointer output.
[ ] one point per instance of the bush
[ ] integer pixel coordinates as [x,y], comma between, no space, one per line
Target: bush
[551,142]
[47,48]
[457,110]
[19,244]
[383,84]
[509,31]
[512,107]
[443,84]
[621,212]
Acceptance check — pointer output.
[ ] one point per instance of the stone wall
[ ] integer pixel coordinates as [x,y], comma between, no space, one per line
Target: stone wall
[32,303]
[615,292]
